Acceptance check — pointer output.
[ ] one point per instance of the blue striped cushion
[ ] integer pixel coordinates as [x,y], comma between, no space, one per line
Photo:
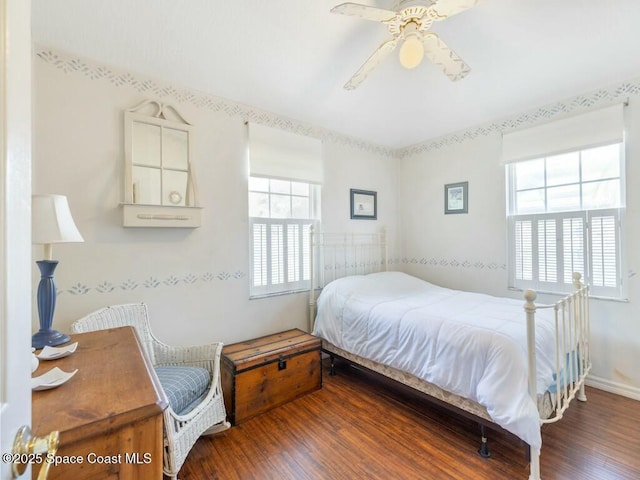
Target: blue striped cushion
[184,386]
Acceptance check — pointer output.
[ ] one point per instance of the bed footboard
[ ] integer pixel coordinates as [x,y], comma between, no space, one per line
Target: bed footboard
[572,354]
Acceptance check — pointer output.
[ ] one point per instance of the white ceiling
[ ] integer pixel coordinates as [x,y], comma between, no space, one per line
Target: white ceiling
[292,57]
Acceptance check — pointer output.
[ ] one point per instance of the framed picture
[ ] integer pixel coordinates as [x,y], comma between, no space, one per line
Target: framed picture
[456,198]
[364,205]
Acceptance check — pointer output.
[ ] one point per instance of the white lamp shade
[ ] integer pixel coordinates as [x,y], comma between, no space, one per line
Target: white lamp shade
[51,220]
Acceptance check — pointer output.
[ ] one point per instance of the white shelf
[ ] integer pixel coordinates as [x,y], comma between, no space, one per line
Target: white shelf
[137,215]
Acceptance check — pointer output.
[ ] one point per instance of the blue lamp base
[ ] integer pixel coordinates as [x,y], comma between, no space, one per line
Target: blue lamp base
[48,337]
[46,306]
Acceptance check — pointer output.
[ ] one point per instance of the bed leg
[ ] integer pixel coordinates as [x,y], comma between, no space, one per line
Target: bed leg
[484,446]
[534,465]
[581,395]
[332,365]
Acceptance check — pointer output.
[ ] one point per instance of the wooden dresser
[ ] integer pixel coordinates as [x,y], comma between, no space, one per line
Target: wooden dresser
[109,413]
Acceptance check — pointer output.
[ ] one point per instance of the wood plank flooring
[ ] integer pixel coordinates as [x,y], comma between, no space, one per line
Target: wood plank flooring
[358,427]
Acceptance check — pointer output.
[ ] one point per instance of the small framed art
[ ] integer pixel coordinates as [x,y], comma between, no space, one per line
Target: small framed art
[456,198]
[364,205]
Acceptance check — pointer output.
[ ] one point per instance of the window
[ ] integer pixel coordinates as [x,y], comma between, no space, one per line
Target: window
[281,213]
[285,175]
[565,216]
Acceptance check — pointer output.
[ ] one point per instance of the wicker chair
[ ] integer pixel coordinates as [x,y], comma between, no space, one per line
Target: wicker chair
[180,430]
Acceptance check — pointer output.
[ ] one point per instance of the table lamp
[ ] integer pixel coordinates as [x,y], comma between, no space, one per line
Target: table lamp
[51,222]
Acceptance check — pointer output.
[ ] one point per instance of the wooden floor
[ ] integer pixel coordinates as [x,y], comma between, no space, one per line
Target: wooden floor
[359,428]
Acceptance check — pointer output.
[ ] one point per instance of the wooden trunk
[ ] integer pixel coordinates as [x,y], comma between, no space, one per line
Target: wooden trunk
[260,374]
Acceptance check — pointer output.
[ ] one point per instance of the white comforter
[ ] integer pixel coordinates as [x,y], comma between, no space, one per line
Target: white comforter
[469,344]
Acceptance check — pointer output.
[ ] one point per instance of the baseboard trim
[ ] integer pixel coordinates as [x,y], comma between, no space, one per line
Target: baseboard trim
[613,387]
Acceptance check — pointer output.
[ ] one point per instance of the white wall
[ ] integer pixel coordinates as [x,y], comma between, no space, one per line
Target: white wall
[195,281]
[468,251]
[462,251]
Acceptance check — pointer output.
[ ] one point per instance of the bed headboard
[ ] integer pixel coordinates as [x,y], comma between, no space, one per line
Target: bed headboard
[337,255]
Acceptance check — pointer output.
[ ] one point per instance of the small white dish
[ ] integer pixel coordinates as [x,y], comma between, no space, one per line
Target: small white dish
[34,360]
[53,353]
[52,379]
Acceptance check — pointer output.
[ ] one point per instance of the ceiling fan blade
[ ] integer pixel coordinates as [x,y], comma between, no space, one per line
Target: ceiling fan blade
[445,58]
[446,8]
[364,11]
[372,62]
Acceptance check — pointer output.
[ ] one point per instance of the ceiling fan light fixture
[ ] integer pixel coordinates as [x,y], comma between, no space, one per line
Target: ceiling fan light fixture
[411,52]
[409,24]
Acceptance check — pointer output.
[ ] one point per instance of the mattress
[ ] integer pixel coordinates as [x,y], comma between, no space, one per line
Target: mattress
[471,345]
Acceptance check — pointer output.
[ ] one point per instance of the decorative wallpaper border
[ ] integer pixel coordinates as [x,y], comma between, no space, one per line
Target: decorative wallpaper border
[76,65]
[453,263]
[150,282]
[430,261]
[130,284]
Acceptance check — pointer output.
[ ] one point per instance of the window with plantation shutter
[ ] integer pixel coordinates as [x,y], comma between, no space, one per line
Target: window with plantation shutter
[565,216]
[281,213]
[285,177]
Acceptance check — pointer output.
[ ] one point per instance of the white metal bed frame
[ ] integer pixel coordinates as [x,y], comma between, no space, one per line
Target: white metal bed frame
[339,255]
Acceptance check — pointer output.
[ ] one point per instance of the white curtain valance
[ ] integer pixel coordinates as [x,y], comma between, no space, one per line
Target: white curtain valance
[280,154]
[599,127]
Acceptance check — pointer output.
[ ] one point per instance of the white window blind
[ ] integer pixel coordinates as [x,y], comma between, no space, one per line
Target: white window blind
[548,248]
[552,252]
[605,250]
[598,127]
[275,153]
[280,255]
[547,251]
[522,241]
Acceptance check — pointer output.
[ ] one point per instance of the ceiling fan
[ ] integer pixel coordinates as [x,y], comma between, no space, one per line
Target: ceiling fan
[409,26]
